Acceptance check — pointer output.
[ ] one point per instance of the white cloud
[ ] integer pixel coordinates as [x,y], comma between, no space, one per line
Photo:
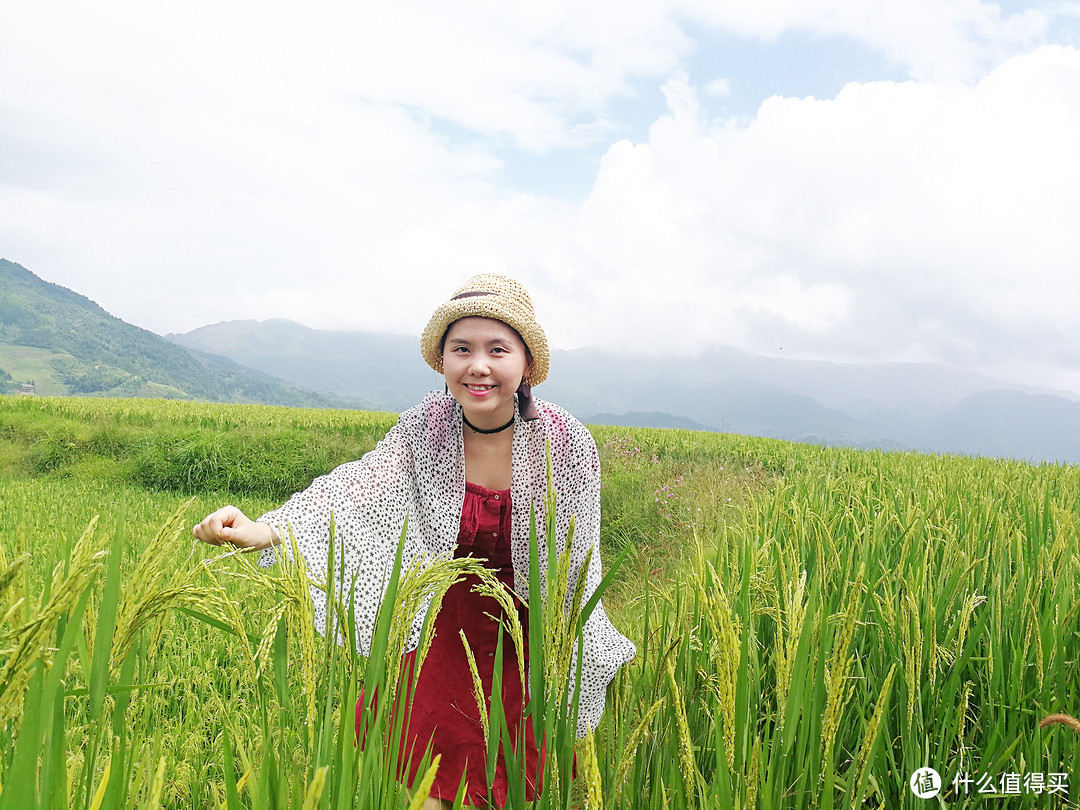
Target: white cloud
[719,87]
[905,221]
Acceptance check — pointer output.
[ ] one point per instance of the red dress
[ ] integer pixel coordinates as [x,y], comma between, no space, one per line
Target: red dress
[443,709]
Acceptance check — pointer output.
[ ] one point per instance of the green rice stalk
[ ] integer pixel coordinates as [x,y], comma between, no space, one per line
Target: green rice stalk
[861,767]
[753,776]
[24,645]
[103,784]
[911,645]
[153,801]
[594,788]
[839,687]
[9,576]
[559,635]
[315,789]
[232,795]
[511,622]
[964,623]
[961,726]
[424,788]
[686,748]
[787,637]
[263,651]
[478,686]
[724,649]
[301,621]
[1033,639]
[633,743]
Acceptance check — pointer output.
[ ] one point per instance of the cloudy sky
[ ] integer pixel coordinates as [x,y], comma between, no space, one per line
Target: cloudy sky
[888,180]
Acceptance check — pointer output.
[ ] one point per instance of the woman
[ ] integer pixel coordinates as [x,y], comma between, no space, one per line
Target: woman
[465,467]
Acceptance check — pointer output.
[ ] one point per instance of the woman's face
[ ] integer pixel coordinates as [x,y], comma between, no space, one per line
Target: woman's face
[484,362]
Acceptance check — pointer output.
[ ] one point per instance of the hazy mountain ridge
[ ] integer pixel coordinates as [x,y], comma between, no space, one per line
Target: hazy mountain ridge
[74,346]
[385,371]
[66,343]
[890,406]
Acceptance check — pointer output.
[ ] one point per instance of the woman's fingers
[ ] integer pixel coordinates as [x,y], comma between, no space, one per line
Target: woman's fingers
[217,526]
[229,524]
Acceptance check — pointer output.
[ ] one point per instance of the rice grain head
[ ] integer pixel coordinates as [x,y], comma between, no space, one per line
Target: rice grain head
[961,724]
[862,760]
[153,801]
[315,789]
[478,686]
[510,621]
[840,665]
[421,589]
[594,793]
[266,639]
[787,642]
[753,776]
[424,789]
[686,752]
[972,601]
[634,741]
[26,644]
[724,650]
[1033,640]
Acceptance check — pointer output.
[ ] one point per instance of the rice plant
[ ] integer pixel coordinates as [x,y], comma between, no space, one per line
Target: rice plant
[814,625]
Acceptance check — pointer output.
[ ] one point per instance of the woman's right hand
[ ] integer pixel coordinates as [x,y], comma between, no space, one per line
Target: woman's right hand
[229,525]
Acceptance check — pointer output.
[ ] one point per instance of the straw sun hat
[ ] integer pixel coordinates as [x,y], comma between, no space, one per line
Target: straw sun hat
[489,295]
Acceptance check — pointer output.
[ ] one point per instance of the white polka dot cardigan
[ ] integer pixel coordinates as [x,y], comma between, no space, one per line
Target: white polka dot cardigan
[418,470]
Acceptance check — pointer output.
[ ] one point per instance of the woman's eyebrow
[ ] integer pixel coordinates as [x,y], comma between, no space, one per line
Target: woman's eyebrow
[492,342]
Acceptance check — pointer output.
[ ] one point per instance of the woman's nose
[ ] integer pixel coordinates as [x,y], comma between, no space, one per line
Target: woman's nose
[479,365]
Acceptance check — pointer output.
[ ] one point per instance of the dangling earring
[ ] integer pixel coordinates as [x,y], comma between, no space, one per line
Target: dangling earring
[526,407]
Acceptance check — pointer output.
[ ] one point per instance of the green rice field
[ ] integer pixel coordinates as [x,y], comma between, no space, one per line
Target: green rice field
[815,626]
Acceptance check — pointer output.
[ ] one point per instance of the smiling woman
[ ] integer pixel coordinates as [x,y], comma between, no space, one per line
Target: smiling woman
[467,467]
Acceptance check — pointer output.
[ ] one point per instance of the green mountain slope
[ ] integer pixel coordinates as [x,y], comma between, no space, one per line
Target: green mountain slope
[67,344]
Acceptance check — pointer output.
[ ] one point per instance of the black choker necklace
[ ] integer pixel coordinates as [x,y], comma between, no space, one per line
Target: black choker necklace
[475,429]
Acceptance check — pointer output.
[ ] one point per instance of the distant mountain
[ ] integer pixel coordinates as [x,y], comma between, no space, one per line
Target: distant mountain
[1013,424]
[65,343]
[889,406]
[385,370]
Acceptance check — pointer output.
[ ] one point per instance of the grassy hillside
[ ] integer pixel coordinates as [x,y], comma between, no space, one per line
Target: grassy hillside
[813,624]
[67,344]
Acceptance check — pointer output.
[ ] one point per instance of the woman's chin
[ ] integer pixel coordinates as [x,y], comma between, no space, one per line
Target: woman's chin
[487,418]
